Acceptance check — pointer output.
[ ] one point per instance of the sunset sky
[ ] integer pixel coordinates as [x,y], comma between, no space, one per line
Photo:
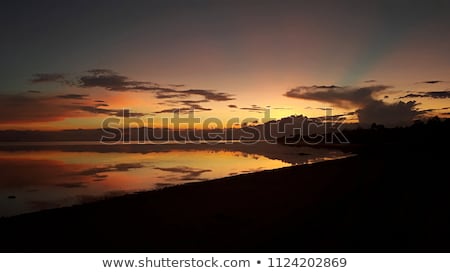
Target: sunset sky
[71,64]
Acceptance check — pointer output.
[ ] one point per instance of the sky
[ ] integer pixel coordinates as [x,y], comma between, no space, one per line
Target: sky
[72,64]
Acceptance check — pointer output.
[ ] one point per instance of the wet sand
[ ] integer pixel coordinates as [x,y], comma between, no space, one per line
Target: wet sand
[361,203]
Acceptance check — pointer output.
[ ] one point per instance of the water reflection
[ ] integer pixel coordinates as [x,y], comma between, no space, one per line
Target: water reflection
[36,179]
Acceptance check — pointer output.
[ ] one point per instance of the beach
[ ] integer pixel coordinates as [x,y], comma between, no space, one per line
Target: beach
[360,203]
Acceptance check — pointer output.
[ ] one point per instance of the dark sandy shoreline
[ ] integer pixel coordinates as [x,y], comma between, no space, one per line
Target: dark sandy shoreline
[362,203]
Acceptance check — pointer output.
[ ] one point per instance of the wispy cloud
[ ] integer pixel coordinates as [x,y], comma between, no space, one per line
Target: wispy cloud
[209,95]
[73,96]
[112,112]
[254,108]
[183,109]
[48,77]
[110,80]
[113,81]
[176,85]
[429,94]
[72,185]
[431,82]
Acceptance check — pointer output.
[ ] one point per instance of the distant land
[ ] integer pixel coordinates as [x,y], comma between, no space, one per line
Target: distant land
[271,130]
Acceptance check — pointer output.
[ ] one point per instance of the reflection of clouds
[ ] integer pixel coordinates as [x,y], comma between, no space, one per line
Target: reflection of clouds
[59,177]
[31,173]
[252,170]
[94,171]
[71,185]
[97,172]
[247,155]
[28,174]
[100,179]
[163,185]
[187,173]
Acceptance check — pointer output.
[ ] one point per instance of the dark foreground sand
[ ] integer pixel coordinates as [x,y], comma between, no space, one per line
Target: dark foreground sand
[364,203]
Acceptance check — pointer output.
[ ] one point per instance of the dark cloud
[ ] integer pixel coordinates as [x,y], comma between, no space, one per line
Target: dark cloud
[334,118]
[112,112]
[436,111]
[101,105]
[209,95]
[431,82]
[97,110]
[112,81]
[401,113]
[369,110]
[128,114]
[282,108]
[254,108]
[191,103]
[104,78]
[192,107]
[48,77]
[24,109]
[232,106]
[99,71]
[174,110]
[327,86]
[34,91]
[124,167]
[345,97]
[187,173]
[430,94]
[73,96]
[370,81]
[170,94]
[180,100]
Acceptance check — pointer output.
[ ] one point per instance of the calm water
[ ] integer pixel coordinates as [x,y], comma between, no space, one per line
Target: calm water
[49,176]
